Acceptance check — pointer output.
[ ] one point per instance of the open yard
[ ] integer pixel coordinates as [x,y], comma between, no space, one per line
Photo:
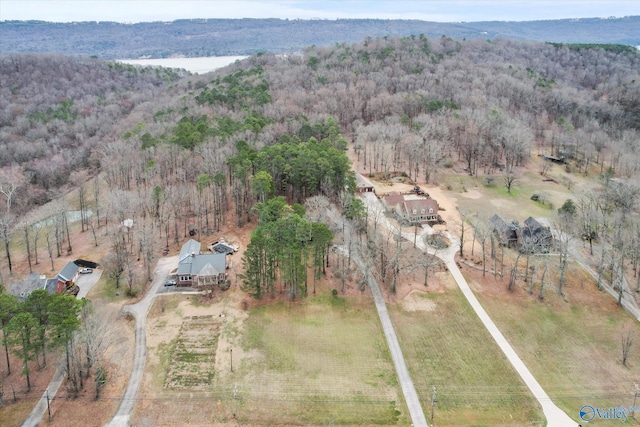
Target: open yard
[446,346]
[573,346]
[320,361]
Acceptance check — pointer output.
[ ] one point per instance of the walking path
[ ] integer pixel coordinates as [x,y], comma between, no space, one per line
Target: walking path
[406,383]
[85,283]
[555,416]
[629,304]
[408,389]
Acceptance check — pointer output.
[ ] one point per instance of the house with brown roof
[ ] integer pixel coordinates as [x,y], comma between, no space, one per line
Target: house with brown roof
[420,210]
[393,201]
[413,208]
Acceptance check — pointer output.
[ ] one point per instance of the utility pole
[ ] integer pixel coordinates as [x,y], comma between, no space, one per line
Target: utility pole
[231,357]
[433,403]
[635,397]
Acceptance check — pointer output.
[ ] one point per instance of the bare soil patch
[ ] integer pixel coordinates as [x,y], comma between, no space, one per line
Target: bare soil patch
[417,301]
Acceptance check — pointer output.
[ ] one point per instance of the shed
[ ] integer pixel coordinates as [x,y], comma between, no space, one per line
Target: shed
[363,185]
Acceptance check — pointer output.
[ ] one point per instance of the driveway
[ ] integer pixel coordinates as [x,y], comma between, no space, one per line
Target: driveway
[416,413]
[139,311]
[628,303]
[555,416]
[85,282]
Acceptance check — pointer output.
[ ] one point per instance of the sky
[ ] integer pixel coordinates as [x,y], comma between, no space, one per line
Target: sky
[131,11]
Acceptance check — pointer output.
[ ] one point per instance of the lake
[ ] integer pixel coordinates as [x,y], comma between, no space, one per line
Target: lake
[195,65]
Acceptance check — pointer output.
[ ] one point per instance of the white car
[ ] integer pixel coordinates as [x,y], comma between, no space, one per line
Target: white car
[86,270]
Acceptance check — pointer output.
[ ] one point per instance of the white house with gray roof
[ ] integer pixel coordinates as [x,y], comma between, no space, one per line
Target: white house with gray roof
[196,269]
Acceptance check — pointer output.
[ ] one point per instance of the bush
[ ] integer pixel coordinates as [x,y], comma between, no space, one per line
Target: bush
[334,292]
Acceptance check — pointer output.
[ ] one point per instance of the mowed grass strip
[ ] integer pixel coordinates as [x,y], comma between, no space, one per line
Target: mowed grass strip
[572,348]
[320,361]
[449,348]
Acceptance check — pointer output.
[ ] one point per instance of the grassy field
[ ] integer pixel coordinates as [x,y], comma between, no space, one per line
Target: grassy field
[321,361]
[573,347]
[449,348]
[324,361]
[517,205]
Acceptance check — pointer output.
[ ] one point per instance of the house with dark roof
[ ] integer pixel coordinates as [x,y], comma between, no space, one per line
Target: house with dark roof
[196,269]
[50,285]
[22,288]
[504,232]
[67,276]
[534,237]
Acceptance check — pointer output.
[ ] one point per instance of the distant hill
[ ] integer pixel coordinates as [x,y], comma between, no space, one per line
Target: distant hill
[217,37]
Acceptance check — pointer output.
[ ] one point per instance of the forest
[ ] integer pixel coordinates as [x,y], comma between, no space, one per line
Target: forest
[265,144]
[171,147]
[224,37]
[175,149]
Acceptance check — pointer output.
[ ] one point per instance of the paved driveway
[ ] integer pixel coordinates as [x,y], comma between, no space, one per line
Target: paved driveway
[139,312]
[555,416]
[85,282]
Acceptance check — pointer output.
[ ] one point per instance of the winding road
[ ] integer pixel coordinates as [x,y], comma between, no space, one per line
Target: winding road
[555,416]
[139,311]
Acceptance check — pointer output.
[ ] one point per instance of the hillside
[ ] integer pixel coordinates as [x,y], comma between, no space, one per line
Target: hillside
[262,152]
[219,37]
[54,110]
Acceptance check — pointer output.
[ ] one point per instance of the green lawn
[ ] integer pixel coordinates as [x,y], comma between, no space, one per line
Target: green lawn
[572,348]
[321,361]
[449,348]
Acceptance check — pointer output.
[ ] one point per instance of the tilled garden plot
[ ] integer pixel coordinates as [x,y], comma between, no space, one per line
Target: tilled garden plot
[192,362]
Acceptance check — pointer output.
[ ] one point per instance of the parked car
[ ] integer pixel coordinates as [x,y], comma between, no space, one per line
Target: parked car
[86,270]
[170,283]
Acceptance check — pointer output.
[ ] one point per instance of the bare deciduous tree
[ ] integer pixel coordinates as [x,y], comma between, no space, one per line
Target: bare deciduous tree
[626,340]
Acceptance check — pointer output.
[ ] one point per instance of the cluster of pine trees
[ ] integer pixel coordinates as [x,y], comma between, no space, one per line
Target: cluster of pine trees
[283,248]
[44,321]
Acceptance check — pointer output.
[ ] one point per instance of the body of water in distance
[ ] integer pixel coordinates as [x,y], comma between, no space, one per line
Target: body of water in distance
[195,65]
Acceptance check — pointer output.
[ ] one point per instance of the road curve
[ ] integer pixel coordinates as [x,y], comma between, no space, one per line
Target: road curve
[139,311]
[555,416]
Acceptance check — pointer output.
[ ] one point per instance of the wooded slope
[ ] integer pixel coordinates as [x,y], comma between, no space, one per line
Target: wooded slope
[217,37]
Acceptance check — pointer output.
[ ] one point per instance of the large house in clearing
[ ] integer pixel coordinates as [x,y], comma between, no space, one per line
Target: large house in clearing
[414,208]
[532,237]
[196,269]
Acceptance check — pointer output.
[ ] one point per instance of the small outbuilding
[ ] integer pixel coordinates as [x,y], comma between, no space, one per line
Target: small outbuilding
[67,276]
[363,185]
